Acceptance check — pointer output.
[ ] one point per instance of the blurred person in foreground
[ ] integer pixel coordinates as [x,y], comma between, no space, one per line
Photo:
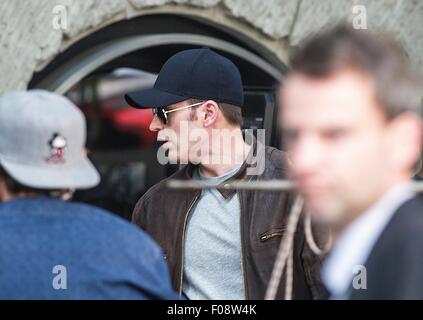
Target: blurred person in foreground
[56,249]
[351,125]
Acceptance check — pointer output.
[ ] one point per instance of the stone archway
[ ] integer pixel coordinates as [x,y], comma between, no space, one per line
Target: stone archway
[29,47]
[111,42]
[28,41]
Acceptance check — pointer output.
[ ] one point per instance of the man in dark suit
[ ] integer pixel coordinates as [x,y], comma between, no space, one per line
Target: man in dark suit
[351,125]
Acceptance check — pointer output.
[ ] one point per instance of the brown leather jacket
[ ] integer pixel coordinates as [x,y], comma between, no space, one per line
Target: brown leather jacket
[163,213]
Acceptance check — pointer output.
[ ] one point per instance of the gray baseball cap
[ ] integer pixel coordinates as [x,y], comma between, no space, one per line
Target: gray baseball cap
[42,141]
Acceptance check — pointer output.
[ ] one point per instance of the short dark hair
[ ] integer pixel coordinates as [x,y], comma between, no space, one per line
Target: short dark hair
[397,85]
[15,187]
[232,113]
[11,184]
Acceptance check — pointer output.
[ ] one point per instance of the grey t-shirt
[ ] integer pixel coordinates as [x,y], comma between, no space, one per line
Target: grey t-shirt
[212,261]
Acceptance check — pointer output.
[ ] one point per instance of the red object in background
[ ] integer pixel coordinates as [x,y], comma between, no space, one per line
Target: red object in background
[135,121]
[125,118]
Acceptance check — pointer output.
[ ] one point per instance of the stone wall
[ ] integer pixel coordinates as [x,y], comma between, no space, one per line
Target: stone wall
[28,40]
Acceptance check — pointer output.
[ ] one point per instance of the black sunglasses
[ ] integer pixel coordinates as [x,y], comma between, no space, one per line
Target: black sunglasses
[161,112]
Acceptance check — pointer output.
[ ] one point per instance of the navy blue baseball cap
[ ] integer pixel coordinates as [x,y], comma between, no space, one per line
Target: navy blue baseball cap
[192,74]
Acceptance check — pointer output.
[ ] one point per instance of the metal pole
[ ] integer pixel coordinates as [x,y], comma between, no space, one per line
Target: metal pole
[268,185]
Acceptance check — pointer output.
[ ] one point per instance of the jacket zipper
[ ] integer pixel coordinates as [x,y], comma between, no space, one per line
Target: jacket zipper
[242,248]
[268,236]
[183,244]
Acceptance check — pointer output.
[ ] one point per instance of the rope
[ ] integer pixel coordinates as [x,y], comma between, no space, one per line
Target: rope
[289,276]
[284,252]
[310,239]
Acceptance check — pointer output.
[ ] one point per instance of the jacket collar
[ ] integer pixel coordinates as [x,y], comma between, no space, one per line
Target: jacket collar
[239,175]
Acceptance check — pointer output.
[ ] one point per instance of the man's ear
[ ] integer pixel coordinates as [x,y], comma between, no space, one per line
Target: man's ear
[3,190]
[210,113]
[406,139]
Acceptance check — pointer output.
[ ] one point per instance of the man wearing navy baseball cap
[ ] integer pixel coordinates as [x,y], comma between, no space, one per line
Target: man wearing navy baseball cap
[220,244]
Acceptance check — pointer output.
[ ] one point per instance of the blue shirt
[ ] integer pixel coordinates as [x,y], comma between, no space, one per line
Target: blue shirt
[52,249]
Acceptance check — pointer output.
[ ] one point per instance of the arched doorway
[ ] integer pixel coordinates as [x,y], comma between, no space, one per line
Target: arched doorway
[126,56]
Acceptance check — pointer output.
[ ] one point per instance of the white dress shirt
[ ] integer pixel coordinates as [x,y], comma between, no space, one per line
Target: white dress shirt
[355,243]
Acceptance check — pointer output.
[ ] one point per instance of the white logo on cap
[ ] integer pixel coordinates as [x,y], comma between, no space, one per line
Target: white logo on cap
[57,146]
